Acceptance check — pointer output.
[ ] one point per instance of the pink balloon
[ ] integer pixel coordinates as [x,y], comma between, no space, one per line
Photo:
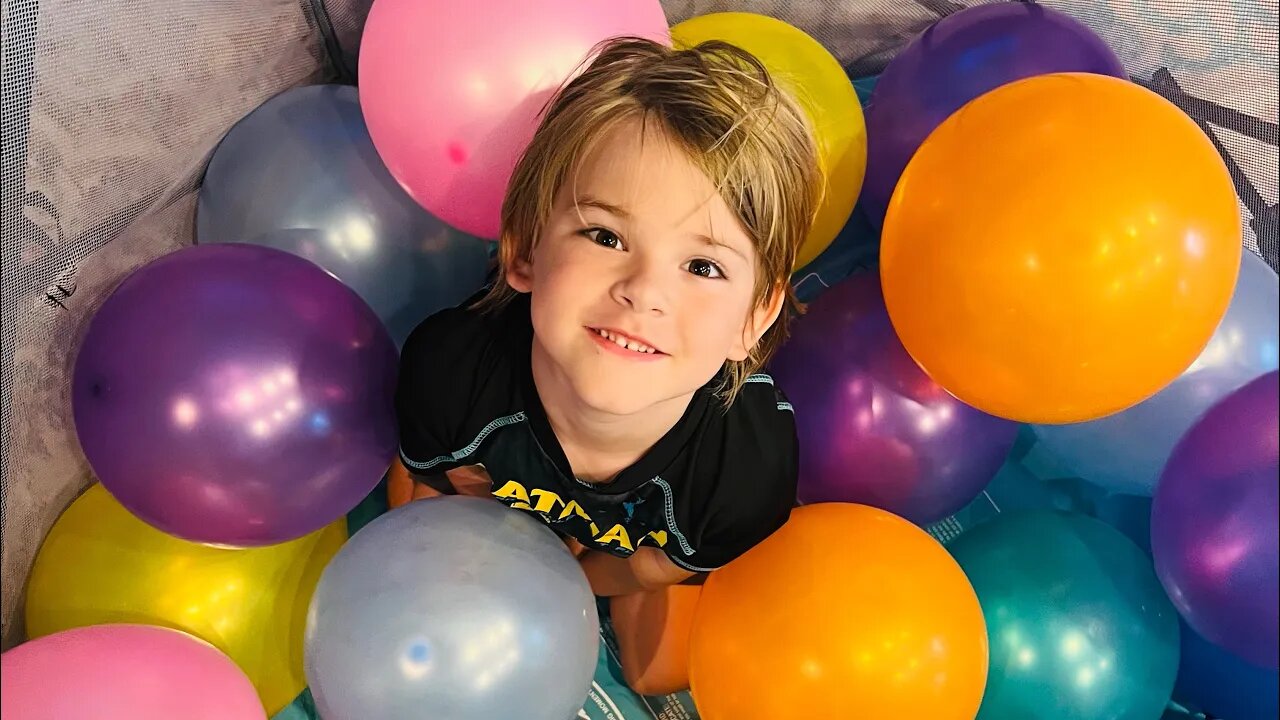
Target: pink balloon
[451,92]
[124,672]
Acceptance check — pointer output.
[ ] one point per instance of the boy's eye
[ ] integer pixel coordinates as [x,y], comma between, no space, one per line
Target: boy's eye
[600,236]
[705,268]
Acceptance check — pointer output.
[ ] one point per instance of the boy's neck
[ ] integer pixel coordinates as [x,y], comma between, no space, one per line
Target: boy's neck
[599,445]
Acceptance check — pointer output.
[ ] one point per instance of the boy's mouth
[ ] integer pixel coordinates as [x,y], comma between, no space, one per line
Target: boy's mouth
[626,342]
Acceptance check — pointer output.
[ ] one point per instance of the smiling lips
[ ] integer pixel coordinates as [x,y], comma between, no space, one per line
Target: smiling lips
[626,345]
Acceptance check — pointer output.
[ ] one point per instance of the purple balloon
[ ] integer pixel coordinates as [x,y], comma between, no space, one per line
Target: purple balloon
[1215,534]
[955,60]
[236,395]
[874,429]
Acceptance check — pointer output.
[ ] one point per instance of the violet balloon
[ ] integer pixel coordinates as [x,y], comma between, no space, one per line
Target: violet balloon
[874,429]
[1215,523]
[960,57]
[236,395]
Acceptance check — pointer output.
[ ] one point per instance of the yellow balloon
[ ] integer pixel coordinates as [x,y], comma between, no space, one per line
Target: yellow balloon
[100,564]
[803,67]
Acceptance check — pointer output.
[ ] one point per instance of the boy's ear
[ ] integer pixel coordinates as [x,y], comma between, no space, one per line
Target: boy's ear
[520,275]
[758,323]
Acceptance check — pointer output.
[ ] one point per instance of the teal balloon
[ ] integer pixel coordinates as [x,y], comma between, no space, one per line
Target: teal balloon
[1079,626]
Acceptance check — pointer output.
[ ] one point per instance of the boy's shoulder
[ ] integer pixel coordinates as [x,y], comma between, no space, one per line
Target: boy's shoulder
[738,484]
[745,455]
[468,323]
[757,431]
[467,336]
[760,401]
[460,364]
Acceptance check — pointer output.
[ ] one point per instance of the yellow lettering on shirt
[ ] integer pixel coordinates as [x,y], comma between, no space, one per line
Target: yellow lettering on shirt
[546,500]
[573,508]
[516,491]
[659,537]
[617,534]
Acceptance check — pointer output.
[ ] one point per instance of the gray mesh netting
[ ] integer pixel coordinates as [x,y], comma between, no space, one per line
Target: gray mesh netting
[111,110]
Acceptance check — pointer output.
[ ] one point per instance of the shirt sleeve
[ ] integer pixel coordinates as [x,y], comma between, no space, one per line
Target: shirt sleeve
[433,391]
[756,490]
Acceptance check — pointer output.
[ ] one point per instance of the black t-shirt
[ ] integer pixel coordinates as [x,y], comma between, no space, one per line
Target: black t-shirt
[720,481]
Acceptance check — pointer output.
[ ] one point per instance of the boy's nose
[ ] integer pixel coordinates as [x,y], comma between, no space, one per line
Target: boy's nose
[642,291]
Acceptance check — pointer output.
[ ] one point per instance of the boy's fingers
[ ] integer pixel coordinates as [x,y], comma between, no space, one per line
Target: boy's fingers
[575,547]
[470,480]
[422,490]
[399,484]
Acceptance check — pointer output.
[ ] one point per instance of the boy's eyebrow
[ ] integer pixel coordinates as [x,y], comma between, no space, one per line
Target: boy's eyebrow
[590,201]
[708,240]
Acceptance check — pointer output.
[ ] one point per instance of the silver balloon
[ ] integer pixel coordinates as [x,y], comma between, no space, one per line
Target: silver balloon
[454,608]
[300,174]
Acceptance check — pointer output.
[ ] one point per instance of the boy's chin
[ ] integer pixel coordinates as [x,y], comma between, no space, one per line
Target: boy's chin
[619,403]
[614,400]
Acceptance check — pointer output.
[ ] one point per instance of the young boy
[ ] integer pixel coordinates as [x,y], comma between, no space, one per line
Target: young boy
[606,382]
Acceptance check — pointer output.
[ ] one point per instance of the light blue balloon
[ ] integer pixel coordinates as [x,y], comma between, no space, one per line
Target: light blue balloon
[454,607]
[1125,452]
[300,174]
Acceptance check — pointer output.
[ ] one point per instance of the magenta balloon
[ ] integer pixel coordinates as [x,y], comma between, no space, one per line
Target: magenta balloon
[1215,523]
[236,395]
[874,429]
[124,672]
[452,92]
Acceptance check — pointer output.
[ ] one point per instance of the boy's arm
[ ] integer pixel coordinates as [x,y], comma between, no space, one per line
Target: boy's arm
[403,484]
[647,569]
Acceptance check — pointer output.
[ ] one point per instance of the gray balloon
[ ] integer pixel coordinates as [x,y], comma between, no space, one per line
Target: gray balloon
[300,174]
[453,608]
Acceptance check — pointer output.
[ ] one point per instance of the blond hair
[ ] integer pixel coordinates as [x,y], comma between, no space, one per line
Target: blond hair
[718,104]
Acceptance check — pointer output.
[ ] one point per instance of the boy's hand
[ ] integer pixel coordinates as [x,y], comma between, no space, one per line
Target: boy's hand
[575,548]
[471,480]
[403,487]
[647,569]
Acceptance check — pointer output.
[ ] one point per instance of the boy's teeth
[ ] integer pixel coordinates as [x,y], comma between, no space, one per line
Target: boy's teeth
[623,342]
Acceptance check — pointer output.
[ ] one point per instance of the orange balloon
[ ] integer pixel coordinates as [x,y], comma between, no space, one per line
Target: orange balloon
[845,612]
[1061,248]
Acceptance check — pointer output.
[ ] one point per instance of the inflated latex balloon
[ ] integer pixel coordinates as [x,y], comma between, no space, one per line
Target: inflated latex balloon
[452,95]
[958,58]
[1125,452]
[1215,523]
[236,394]
[123,672]
[1061,248]
[805,68]
[799,627]
[1080,628]
[300,174]
[873,428]
[99,564]
[454,607]
[1216,681]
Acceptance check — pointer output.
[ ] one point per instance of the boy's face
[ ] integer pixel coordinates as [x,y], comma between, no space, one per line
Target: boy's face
[640,250]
